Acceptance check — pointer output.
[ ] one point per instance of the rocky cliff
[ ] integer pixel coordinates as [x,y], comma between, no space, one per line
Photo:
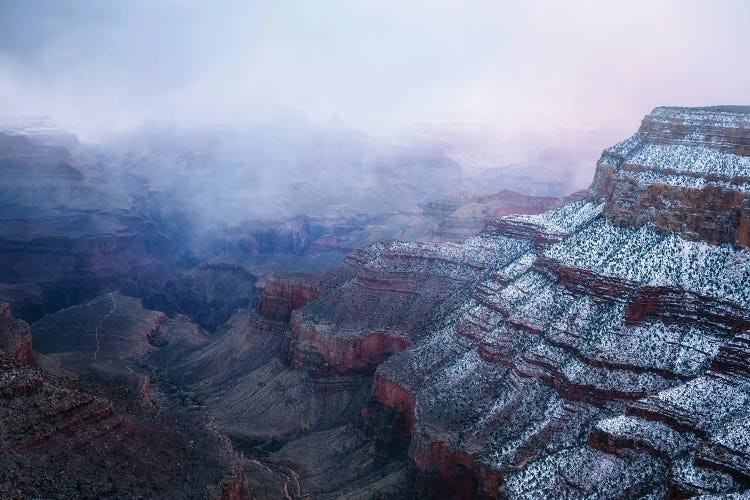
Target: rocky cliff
[686,170]
[68,230]
[608,360]
[598,350]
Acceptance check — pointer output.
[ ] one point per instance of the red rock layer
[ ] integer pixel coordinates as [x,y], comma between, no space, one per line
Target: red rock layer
[346,354]
[713,213]
[285,293]
[391,395]
[441,472]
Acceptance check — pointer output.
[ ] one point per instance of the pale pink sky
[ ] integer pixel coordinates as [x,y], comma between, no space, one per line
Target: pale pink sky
[381,66]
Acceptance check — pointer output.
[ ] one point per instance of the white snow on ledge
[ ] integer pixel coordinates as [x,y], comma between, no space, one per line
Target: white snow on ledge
[563,220]
[724,116]
[691,159]
[648,257]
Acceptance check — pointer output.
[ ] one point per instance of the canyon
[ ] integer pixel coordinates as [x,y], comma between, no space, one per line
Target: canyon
[500,345]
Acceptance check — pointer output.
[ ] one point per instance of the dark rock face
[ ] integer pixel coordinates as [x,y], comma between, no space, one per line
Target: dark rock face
[295,422]
[234,487]
[67,233]
[208,293]
[285,293]
[686,170]
[287,236]
[114,334]
[15,339]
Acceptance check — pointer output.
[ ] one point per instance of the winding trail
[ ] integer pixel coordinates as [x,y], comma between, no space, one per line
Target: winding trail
[292,478]
[96,331]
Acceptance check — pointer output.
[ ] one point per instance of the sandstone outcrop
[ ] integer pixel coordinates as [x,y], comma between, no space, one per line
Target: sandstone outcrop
[284,293]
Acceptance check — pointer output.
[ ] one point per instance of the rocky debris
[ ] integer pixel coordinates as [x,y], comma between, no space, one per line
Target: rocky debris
[52,410]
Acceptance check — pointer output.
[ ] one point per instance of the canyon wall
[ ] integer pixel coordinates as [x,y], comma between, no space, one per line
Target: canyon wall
[597,350]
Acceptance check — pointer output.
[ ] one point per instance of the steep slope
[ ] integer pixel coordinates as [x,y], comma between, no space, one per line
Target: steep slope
[208,293]
[114,334]
[258,397]
[685,171]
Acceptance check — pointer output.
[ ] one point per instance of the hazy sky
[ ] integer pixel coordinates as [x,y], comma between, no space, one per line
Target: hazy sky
[379,65]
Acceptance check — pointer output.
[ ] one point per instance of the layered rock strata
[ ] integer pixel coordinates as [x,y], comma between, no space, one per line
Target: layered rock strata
[686,170]
[69,230]
[597,350]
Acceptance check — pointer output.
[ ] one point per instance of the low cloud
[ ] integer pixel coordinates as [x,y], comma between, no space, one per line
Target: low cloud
[382,67]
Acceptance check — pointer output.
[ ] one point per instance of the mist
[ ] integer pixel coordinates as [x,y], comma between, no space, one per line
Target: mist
[383,67]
